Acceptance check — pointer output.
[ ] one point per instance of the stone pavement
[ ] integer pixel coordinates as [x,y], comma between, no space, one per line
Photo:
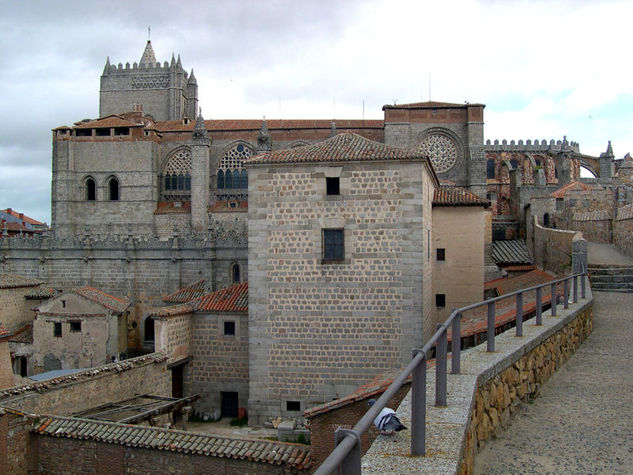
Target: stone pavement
[582,422]
[598,253]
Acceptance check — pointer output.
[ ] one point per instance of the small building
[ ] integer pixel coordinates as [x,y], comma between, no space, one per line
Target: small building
[459,238]
[81,328]
[16,309]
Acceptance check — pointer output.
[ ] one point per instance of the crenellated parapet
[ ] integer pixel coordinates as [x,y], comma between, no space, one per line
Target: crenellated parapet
[532,145]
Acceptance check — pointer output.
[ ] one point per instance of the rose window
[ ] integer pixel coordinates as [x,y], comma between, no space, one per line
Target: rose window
[441,150]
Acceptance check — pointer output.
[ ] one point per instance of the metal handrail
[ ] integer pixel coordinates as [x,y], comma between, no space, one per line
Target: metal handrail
[346,456]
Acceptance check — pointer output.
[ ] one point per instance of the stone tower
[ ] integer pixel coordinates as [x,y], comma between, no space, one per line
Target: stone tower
[165,92]
[200,146]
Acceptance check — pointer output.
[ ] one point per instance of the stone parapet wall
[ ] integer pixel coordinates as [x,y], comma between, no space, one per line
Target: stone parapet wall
[623,229]
[551,249]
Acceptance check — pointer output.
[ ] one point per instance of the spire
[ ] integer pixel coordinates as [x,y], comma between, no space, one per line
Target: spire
[200,135]
[610,150]
[264,141]
[178,63]
[192,78]
[148,56]
[333,129]
[106,69]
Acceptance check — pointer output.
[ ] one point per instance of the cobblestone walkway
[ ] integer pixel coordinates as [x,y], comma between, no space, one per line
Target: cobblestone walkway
[598,253]
[582,421]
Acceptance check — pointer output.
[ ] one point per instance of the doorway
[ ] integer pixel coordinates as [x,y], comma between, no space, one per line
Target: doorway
[229,404]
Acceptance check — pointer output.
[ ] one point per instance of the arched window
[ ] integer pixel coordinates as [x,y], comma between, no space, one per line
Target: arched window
[148,330]
[514,163]
[113,189]
[177,174]
[228,179]
[91,190]
[220,180]
[490,169]
[235,273]
[244,179]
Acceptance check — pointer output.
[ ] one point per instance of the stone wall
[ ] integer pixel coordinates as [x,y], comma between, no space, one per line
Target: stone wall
[16,310]
[173,336]
[551,249]
[596,226]
[319,330]
[623,229]
[497,398]
[6,369]
[221,361]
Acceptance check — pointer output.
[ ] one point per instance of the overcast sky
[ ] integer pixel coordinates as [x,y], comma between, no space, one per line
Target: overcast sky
[544,69]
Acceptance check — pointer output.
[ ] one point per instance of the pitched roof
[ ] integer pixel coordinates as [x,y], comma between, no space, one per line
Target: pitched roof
[13,281]
[109,301]
[255,124]
[573,186]
[21,216]
[231,299]
[23,335]
[457,196]
[148,56]
[172,310]
[344,147]
[191,292]
[291,456]
[106,122]
[41,292]
[510,252]
[523,281]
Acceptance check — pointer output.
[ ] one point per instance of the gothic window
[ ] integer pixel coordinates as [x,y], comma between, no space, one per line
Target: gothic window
[231,169]
[113,189]
[514,163]
[91,189]
[177,176]
[490,169]
[235,273]
[441,150]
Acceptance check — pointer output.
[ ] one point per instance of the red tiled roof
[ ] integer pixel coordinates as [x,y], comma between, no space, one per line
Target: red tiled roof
[573,186]
[523,281]
[13,281]
[15,214]
[186,294]
[172,310]
[23,335]
[17,228]
[343,147]
[255,124]
[3,331]
[231,299]
[109,301]
[169,207]
[428,105]
[457,196]
[106,122]
[519,268]
[223,207]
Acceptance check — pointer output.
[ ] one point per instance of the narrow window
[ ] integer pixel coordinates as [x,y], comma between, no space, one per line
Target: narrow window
[332,186]
[75,326]
[167,182]
[228,179]
[113,188]
[181,182]
[293,405]
[63,304]
[490,169]
[441,254]
[333,245]
[149,329]
[514,164]
[187,182]
[174,182]
[440,300]
[22,365]
[235,273]
[220,179]
[244,180]
[546,220]
[91,190]
[57,329]
[229,328]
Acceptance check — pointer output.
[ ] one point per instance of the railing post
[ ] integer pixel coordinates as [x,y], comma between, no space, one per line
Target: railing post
[418,407]
[583,286]
[519,314]
[440,367]
[351,463]
[575,289]
[566,294]
[456,344]
[554,299]
[539,306]
[491,327]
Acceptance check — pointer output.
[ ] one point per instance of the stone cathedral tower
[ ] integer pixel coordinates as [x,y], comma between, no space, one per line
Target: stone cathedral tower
[165,92]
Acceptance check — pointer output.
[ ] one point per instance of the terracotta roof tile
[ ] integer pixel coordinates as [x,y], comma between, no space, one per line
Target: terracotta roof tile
[13,281]
[173,207]
[106,122]
[457,196]
[523,281]
[3,331]
[291,456]
[109,301]
[15,214]
[255,124]
[23,335]
[42,292]
[573,186]
[343,147]
[172,310]
[191,292]
[231,299]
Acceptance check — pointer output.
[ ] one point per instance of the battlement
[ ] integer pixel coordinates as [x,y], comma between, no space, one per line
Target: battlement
[120,69]
[533,146]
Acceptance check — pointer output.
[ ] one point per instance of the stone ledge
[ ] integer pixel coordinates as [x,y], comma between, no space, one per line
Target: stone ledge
[453,432]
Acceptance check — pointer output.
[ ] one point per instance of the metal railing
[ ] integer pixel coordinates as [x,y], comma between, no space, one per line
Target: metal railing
[346,457]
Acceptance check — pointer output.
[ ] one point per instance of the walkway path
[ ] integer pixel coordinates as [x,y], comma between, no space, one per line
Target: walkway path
[598,253]
[582,421]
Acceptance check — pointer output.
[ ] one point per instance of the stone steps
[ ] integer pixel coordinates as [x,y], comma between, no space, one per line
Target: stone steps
[612,278]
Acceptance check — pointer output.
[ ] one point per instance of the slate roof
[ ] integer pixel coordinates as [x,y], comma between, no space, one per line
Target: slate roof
[294,456]
[13,281]
[191,292]
[510,252]
[231,299]
[109,301]
[457,196]
[343,147]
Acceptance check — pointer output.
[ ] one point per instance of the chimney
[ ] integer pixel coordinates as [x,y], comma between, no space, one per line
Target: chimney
[21,215]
